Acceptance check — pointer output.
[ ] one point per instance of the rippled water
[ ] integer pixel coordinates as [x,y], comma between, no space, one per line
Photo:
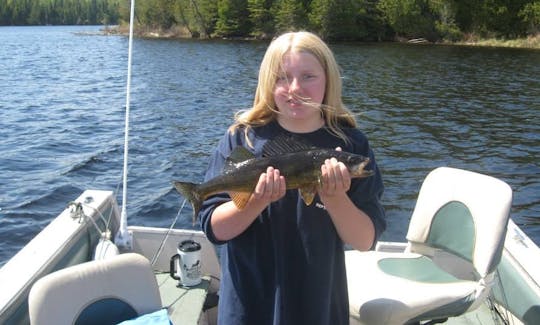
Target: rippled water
[62,107]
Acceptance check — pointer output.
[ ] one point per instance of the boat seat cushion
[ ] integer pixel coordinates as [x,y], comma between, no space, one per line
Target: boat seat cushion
[98,292]
[455,241]
[379,284]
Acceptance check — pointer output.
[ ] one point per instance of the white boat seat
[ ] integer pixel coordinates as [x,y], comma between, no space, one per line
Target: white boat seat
[455,241]
[107,291]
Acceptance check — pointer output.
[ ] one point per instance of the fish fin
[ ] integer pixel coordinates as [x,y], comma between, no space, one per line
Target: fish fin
[283,144]
[190,192]
[240,199]
[239,154]
[308,194]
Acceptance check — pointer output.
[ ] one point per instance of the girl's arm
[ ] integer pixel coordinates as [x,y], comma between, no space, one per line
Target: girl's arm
[352,224]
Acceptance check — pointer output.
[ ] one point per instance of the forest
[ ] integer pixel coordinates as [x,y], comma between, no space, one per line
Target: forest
[358,20]
[60,12]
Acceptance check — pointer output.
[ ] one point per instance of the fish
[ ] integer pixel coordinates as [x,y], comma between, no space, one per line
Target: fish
[299,162]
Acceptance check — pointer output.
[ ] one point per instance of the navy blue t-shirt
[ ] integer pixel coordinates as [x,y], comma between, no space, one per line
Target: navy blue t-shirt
[288,266]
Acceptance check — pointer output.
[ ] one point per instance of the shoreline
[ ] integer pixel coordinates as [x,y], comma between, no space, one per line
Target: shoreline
[529,42]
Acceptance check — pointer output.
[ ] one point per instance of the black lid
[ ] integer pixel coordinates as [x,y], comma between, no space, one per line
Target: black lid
[189,246]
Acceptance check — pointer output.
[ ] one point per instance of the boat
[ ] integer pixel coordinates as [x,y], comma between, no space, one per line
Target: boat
[72,272]
[82,231]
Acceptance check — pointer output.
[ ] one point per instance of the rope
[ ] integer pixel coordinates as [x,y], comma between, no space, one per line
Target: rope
[154,259]
[106,221]
[502,316]
[78,212]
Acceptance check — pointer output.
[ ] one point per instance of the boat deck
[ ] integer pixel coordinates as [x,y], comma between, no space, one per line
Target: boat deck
[481,316]
[184,304]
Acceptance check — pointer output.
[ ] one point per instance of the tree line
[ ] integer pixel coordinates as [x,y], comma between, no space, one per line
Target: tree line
[364,20]
[59,12]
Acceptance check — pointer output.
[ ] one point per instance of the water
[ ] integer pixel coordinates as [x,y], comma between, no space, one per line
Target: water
[62,99]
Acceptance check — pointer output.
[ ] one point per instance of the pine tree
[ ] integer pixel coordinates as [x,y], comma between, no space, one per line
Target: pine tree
[232,18]
[261,18]
[334,19]
[289,15]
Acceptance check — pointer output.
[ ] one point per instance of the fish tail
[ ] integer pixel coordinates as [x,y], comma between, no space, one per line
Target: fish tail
[190,192]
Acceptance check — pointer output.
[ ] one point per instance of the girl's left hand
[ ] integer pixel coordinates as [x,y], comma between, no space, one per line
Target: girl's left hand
[336,179]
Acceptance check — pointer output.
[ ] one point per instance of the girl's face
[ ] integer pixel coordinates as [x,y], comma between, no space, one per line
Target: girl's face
[299,92]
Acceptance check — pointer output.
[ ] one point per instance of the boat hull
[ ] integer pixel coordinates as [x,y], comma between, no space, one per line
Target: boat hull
[70,239]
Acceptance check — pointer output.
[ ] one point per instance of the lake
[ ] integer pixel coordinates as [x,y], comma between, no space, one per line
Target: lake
[62,101]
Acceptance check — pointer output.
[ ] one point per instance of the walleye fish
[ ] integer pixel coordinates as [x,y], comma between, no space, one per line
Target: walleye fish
[298,162]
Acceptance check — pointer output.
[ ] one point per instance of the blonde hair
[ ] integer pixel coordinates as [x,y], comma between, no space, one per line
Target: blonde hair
[264,108]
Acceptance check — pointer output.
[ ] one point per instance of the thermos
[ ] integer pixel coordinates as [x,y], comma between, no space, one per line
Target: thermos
[186,264]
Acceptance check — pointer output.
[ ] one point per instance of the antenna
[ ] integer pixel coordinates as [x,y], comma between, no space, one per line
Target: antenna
[123,237]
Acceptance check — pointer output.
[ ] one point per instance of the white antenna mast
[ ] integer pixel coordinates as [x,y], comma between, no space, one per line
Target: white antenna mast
[123,237]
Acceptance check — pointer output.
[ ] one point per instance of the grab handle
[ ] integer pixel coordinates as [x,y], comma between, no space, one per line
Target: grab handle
[172,268]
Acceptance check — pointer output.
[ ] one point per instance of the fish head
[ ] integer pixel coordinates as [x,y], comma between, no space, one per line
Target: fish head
[355,164]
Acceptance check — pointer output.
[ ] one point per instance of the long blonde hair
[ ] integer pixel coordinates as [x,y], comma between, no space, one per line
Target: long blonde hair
[264,108]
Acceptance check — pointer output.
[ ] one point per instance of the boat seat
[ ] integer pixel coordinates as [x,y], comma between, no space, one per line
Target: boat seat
[454,244]
[104,292]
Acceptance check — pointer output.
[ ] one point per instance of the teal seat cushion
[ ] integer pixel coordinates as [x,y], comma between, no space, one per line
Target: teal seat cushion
[106,311]
[159,317]
[426,272]
[453,229]
[421,269]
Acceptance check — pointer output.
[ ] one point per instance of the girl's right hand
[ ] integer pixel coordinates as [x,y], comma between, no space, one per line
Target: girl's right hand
[270,187]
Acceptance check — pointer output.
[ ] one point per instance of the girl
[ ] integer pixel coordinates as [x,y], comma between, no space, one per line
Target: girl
[283,261]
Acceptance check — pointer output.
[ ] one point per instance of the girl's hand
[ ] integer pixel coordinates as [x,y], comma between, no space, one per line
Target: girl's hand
[270,187]
[228,221]
[336,179]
